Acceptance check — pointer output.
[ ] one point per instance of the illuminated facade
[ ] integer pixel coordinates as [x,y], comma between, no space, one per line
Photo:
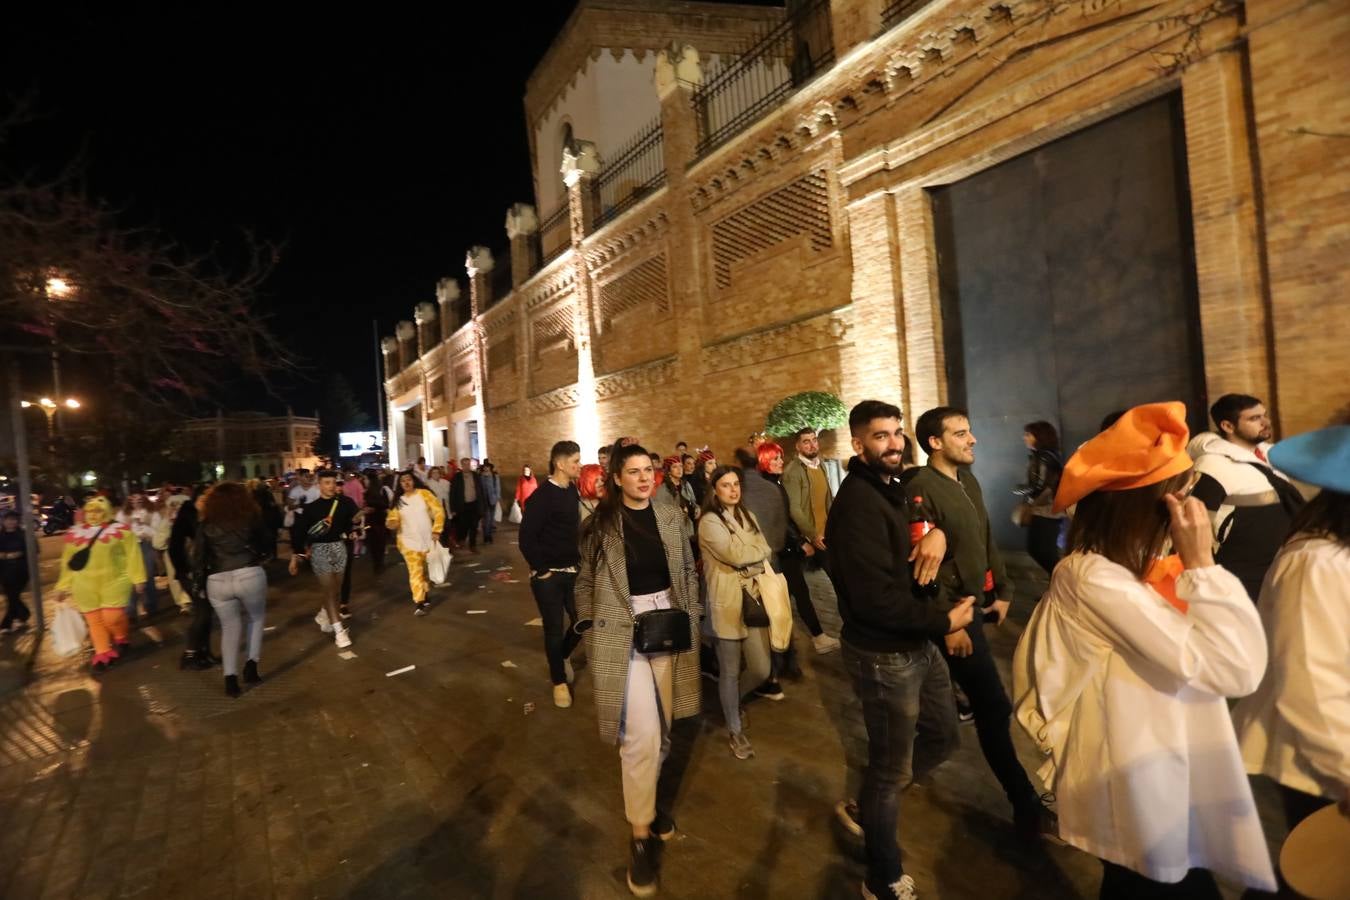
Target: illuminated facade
[250,444]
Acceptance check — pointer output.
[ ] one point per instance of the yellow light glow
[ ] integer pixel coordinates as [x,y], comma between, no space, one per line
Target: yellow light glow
[25,404]
[46,401]
[57,287]
[72,403]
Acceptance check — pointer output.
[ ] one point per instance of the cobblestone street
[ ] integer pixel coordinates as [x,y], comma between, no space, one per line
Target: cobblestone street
[456,779]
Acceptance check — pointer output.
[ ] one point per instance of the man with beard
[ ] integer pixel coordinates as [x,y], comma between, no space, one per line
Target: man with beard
[950,496]
[1250,504]
[888,638]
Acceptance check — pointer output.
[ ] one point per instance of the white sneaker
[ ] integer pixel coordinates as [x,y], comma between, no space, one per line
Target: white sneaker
[562,696]
[904,889]
[824,643]
[342,638]
[322,621]
[567,668]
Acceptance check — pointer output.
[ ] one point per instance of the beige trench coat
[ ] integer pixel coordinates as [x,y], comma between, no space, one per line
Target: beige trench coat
[736,559]
[602,597]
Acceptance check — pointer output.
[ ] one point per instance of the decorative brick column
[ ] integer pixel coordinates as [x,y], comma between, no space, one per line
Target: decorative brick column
[871,369]
[924,363]
[406,332]
[425,317]
[521,227]
[447,296]
[580,165]
[478,262]
[854,22]
[678,74]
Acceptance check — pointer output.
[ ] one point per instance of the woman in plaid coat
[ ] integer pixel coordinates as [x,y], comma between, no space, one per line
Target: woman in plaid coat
[635,557]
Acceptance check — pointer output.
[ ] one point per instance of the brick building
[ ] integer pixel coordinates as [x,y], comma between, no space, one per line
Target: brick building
[1033,208]
[250,444]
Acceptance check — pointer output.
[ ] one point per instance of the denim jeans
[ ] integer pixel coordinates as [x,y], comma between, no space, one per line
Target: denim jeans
[234,595]
[553,595]
[730,686]
[911,724]
[978,677]
[150,600]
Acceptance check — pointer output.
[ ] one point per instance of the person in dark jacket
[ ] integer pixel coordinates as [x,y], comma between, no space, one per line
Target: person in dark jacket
[548,541]
[974,567]
[467,500]
[888,637]
[379,495]
[182,536]
[13,571]
[1044,466]
[230,546]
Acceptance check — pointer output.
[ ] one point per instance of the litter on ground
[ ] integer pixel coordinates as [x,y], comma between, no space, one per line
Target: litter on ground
[536,621]
[347,654]
[507,664]
[476,612]
[399,671]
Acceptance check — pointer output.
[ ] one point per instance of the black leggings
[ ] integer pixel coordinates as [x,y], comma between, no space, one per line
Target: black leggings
[15,579]
[1043,542]
[791,567]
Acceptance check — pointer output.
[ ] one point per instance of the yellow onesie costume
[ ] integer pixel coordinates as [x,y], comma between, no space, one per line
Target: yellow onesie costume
[415,540]
[100,589]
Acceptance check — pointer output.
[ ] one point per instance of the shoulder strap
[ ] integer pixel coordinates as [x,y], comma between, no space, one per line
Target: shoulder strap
[1290,498]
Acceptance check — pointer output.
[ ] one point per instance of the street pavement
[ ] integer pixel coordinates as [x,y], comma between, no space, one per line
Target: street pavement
[458,778]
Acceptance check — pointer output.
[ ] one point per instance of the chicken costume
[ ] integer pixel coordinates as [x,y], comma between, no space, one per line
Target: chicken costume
[418,518]
[99,590]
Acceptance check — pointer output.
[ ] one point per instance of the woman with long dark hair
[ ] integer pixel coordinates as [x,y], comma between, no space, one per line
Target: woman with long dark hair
[232,542]
[418,516]
[1296,728]
[1123,672]
[635,560]
[1044,466]
[734,551]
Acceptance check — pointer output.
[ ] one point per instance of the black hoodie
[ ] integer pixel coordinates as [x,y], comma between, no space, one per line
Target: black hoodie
[867,536]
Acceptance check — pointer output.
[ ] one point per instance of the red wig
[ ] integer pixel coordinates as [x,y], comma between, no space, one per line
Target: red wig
[767,451]
[589,482]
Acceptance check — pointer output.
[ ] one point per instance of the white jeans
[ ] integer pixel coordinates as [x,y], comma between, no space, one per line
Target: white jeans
[644,732]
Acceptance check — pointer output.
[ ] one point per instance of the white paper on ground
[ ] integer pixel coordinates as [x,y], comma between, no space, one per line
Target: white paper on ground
[347,654]
[513,581]
[507,664]
[399,671]
[503,568]
[269,628]
[476,612]
[536,621]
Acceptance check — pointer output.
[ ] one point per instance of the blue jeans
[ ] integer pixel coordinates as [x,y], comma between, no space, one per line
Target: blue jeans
[235,595]
[151,599]
[911,727]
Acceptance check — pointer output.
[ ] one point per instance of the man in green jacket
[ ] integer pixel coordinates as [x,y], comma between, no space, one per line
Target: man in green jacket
[949,493]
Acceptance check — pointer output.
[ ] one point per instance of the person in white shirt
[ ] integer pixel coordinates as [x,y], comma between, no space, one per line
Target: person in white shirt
[304,491]
[439,485]
[1122,673]
[143,517]
[1296,728]
[420,469]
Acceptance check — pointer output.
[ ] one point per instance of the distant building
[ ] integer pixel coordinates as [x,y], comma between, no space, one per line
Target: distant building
[250,444]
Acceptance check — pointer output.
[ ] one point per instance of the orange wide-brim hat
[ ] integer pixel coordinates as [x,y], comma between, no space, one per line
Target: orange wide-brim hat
[1145,446]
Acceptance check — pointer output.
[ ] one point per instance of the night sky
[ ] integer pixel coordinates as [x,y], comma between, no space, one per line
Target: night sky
[377,149]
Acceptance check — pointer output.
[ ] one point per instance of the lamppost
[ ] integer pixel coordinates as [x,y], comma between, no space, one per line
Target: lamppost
[49,407]
[55,288]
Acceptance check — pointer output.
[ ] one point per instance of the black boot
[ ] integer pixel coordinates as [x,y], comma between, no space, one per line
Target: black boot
[232,685]
[251,675]
[642,867]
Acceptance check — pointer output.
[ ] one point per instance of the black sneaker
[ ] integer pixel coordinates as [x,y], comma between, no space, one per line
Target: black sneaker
[421,609]
[770,690]
[232,685]
[251,675]
[964,713]
[1037,821]
[642,867]
[663,826]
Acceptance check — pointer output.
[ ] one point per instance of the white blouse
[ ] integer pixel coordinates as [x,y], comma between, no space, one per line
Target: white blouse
[1124,695]
[1296,727]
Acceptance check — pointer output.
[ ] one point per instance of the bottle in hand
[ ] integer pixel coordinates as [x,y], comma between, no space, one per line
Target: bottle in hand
[919,525]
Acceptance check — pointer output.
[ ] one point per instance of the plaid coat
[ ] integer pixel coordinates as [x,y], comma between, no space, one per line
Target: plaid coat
[602,597]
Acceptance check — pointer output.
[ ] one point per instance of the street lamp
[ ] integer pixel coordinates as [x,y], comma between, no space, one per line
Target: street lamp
[55,288]
[49,408]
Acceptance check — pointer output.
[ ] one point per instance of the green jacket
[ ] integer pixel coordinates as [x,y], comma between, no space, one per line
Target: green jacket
[798,486]
[958,509]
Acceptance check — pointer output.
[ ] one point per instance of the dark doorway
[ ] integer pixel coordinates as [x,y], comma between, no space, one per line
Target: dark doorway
[1068,290]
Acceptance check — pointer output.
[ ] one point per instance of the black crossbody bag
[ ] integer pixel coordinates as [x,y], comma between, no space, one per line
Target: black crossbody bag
[80,558]
[656,630]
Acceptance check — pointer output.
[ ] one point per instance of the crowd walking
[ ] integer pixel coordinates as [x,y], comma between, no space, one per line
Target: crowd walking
[1186,573]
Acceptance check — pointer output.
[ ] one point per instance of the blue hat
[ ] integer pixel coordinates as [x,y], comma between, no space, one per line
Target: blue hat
[1319,457]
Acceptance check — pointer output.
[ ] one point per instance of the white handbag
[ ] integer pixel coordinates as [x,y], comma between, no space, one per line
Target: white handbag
[515,512]
[68,631]
[438,564]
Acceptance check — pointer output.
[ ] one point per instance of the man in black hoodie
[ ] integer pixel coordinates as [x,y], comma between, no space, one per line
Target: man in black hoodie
[888,639]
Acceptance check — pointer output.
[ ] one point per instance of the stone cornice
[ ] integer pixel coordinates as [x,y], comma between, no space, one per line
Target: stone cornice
[642,26]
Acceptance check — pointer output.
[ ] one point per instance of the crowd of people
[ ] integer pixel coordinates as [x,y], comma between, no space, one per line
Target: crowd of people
[1185,572]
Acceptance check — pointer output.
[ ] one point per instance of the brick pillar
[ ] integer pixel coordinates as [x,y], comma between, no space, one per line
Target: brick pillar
[678,73]
[522,225]
[425,317]
[854,22]
[870,370]
[447,296]
[389,347]
[924,359]
[580,166]
[406,332]
[479,264]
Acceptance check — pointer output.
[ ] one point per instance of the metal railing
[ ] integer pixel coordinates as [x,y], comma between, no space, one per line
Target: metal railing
[899,10]
[637,169]
[740,91]
[553,244]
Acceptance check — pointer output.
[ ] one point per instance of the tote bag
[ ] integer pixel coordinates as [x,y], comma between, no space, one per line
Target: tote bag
[68,631]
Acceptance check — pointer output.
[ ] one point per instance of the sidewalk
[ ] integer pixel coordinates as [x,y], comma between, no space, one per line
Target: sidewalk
[332,780]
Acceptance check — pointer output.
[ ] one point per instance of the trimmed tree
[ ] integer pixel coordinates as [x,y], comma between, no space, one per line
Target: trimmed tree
[809,409]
